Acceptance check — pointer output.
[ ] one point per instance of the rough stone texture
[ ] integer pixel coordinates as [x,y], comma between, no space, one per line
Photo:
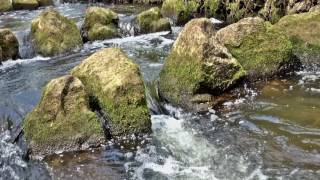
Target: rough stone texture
[62,121]
[99,23]
[179,11]
[5,5]
[197,64]
[45,2]
[303,30]
[9,45]
[152,21]
[116,83]
[53,34]
[25,4]
[262,50]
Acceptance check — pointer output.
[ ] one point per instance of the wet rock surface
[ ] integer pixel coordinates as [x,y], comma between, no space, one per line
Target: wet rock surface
[9,45]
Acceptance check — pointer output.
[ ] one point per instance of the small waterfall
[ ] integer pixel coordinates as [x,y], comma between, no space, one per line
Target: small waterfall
[127,26]
[25,46]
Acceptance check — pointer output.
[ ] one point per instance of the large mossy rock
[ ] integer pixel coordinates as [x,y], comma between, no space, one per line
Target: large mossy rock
[303,30]
[9,45]
[45,2]
[62,121]
[5,5]
[100,23]
[262,50]
[116,83]
[180,11]
[197,65]
[152,21]
[25,4]
[53,34]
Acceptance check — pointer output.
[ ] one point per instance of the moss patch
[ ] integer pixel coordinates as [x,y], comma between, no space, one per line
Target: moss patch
[25,4]
[9,45]
[53,34]
[5,5]
[116,83]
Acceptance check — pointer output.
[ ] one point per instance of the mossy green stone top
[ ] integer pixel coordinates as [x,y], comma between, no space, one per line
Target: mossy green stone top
[100,23]
[53,34]
[116,82]
[197,64]
[5,5]
[262,50]
[179,10]
[303,29]
[152,21]
[25,4]
[62,120]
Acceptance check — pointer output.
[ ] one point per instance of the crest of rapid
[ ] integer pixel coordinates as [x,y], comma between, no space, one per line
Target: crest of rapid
[273,132]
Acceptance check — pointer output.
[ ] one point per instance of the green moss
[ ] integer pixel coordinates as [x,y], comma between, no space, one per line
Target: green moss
[100,23]
[152,21]
[53,34]
[116,82]
[62,119]
[179,10]
[25,4]
[263,53]
[5,5]
[302,30]
[211,7]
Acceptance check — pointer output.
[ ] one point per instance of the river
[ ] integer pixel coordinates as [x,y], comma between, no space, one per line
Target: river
[271,131]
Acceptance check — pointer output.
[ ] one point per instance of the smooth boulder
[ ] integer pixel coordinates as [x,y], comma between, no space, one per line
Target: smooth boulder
[151,20]
[116,83]
[99,23]
[303,30]
[198,67]
[63,120]
[180,11]
[9,45]
[53,34]
[25,4]
[5,5]
[262,50]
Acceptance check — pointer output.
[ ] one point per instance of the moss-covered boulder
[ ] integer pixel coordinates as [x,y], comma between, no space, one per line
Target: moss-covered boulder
[180,11]
[198,66]
[62,121]
[303,30]
[99,23]
[262,50]
[9,45]
[52,34]
[116,83]
[5,5]
[25,4]
[45,2]
[152,21]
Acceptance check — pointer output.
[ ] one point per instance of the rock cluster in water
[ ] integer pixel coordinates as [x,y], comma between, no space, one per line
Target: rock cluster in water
[107,83]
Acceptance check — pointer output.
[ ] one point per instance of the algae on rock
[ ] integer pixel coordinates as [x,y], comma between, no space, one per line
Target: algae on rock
[99,23]
[9,45]
[5,5]
[53,34]
[262,50]
[25,4]
[152,21]
[62,121]
[115,81]
[197,64]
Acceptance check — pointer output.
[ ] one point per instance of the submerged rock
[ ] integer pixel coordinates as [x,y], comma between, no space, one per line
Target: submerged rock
[99,23]
[152,21]
[53,34]
[198,64]
[62,121]
[303,30]
[262,50]
[9,45]
[5,5]
[116,83]
[180,11]
[25,4]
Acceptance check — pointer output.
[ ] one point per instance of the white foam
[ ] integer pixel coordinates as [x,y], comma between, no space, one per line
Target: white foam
[12,63]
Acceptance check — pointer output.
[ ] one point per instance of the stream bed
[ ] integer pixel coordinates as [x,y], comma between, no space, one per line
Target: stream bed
[272,132]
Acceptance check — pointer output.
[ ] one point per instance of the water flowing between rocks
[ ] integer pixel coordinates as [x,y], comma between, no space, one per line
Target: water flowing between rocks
[271,132]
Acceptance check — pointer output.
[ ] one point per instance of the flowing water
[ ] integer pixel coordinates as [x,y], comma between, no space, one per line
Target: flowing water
[272,132]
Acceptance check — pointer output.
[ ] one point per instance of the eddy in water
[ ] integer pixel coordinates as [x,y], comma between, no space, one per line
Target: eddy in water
[159,90]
